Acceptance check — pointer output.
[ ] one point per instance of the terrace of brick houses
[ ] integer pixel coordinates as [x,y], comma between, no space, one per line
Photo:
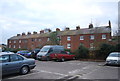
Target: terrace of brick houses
[90,37]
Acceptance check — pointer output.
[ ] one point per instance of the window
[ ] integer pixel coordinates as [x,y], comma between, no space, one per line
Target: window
[32,39]
[103,36]
[48,39]
[9,41]
[92,37]
[63,52]
[68,38]
[91,45]
[81,44]
[58,38]
[81,37]
[25,41]
[9,46]
[15,58]
[14,46]
[35,39]
[4,58]
[68,45]
[39,39]
[14,41]
[19,41]
[19,46]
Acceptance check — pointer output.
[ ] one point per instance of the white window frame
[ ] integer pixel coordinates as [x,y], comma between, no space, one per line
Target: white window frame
[68,45]
[14,46]
[9,41]
[9,46]
[20,41]
[91,45]
[19,46]
[103,36]
[48,39]
[92,37]
[39,39]
[36,39]
[14,41]
[68,38]
[81,37]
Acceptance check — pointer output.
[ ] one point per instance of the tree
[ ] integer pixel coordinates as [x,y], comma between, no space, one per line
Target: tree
[105,50]
[54,40]
[117,48]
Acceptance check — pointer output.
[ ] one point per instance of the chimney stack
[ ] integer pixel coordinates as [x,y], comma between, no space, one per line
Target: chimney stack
[57,29]
[23,34]
[42,31]
[67,28]
[28,33]
[90,25]
[18,34]
[34,32]
[77,27]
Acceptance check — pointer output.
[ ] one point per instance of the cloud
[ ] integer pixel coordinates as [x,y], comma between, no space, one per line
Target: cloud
[17,16]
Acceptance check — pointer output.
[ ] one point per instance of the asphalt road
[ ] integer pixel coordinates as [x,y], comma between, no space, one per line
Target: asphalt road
[69,70]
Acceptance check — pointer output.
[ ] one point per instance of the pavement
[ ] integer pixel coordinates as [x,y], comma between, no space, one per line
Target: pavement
[69,71]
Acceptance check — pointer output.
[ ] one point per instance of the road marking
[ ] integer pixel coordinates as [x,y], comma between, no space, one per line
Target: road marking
[52,72]
[39,72]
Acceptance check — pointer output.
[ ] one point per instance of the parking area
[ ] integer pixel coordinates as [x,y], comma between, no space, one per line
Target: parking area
[69,70]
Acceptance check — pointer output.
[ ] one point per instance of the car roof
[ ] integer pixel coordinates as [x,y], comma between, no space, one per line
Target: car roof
[115,52]
[6,53]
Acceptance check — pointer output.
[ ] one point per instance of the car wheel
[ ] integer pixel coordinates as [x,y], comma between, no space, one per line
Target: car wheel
[48,58]
[62,59]
[24,70]
[74,58]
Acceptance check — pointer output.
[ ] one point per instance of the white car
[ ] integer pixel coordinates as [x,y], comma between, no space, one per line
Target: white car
[113,59]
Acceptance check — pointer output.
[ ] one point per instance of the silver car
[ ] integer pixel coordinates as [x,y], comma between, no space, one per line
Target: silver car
[14,63]
[113,59]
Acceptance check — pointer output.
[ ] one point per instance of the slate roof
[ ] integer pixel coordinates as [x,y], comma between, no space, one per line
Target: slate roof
[102,29]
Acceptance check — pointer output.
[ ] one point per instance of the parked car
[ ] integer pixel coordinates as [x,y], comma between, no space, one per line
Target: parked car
[113,59]
[34,53]
[25,53]
[14,63]
[62,56]
[47,50]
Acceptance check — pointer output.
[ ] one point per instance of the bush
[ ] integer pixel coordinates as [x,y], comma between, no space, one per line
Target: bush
[105,50]
[82,52]
[117,48]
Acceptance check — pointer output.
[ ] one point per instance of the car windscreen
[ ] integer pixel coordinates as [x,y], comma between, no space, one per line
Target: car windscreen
[45,49]
[114,55]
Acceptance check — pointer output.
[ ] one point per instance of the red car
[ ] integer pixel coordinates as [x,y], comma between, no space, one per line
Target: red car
[62,56]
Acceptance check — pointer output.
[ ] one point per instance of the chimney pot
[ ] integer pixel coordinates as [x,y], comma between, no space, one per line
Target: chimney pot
[18,34]
[77,27]
[42,31]
[34,32]
[67,28]
[29,33]
[23,34]
[57,29]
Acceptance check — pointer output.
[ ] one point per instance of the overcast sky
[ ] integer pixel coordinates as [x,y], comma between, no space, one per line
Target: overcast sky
[17,16]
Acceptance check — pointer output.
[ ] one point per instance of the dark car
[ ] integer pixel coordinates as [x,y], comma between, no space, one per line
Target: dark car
[25,53]
[34,53]
[45,52]
[14,63]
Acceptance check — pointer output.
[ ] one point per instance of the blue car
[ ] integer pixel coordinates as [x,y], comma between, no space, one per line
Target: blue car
[25,53]
[13,63]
